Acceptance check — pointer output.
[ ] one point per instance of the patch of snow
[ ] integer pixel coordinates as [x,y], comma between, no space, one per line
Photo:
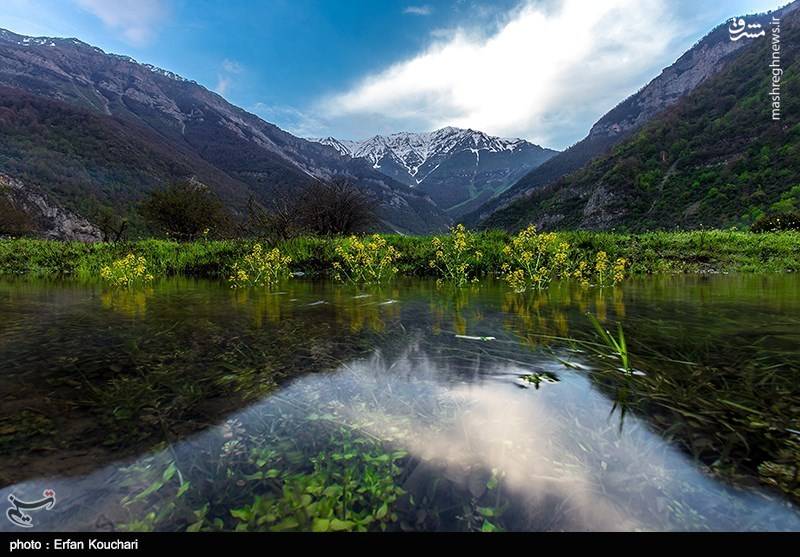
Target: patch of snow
[413,150]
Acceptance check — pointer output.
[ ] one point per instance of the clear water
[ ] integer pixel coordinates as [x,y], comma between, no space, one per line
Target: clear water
[405,407]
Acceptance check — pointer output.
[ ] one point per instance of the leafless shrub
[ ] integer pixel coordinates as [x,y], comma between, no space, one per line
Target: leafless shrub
[335,207]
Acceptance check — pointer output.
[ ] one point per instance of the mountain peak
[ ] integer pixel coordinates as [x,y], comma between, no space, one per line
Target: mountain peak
[455,166]
[413,149]
[52,42]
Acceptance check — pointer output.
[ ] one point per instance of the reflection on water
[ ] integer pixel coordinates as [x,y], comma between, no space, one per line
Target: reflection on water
[198,407]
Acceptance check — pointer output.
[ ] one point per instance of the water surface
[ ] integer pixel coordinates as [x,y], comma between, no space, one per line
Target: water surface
[407,407]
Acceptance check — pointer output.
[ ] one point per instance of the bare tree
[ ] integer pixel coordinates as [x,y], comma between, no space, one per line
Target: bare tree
[111,226]
[278,222]
[334,207]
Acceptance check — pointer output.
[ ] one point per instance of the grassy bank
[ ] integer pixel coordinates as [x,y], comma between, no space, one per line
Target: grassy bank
[649,253]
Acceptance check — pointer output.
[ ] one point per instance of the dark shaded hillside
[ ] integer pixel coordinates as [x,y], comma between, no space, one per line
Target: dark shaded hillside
[235,152]
[704,60]
[715,159]
[459,184]
[86,160]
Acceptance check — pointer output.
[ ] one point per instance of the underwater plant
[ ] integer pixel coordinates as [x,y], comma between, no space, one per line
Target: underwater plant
[353,486]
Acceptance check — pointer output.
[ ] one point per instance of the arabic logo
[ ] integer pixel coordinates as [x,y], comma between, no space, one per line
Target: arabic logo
[16,513]
[738,28]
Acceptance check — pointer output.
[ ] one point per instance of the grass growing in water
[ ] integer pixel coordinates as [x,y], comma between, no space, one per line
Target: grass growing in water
[352,485]
[617,345]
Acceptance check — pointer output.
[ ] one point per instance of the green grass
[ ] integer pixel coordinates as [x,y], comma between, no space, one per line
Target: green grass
[648,253]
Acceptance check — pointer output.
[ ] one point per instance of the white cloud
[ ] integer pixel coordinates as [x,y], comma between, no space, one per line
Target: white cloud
[232,66]
[289,118]
[137,20]
[223,84]
[418,10]
[228,69]
[542,74]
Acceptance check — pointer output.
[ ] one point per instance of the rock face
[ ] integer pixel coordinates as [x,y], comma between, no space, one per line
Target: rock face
[51,220]
[458,168]
[702,61]
[705,59]
[236,153]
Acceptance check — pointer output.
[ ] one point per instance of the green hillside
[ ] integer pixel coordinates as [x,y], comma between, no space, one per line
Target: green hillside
[716,159]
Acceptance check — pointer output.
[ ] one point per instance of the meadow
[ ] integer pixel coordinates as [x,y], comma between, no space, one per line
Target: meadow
[706,251]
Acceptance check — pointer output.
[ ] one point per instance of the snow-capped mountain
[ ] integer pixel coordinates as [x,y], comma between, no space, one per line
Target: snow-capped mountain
[458,168]
[161,128]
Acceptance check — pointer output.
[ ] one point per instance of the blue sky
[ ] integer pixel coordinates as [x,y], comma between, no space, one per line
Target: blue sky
[544,70]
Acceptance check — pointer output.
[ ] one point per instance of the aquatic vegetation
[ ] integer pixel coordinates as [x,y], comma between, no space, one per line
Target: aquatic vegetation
[606,273]
[535,259]
[537,378]
[260,268]
[351,486]
[453,256]
[365,261]
[128,272]
[617,345]
[23,428]
[783,476]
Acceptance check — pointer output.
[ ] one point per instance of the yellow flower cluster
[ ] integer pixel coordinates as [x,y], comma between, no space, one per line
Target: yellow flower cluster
[452,256]
[619,269]
[534,260]
[582,273]
[365,261]
[601,262]
[607,273]
[127,272]
[260,268]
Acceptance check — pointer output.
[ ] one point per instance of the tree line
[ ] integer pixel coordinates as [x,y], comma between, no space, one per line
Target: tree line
[189,210]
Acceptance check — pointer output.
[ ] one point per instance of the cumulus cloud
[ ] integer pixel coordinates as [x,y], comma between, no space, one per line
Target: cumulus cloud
[136,20]
[418,10]
[546,70]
